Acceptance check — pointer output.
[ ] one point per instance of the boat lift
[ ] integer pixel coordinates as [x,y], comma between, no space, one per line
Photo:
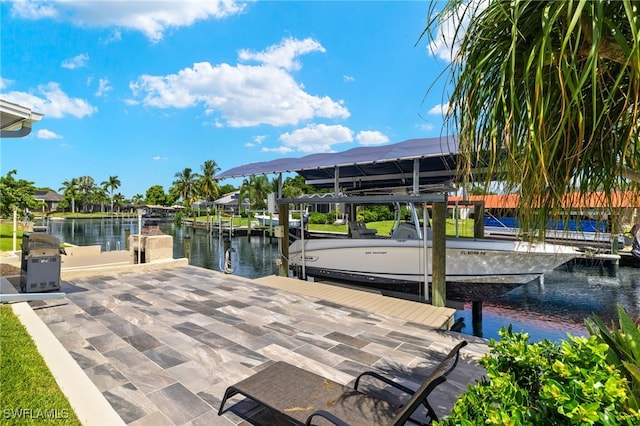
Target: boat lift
[416,170]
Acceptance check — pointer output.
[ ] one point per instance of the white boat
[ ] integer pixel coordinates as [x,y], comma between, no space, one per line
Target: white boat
[273,220]
[398,262]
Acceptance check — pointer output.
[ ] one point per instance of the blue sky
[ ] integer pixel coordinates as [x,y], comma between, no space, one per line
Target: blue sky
[141,89]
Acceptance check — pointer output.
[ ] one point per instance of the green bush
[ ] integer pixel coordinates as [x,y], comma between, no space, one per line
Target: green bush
[546,383]
[317,218]
[623,340]
[369,215]
[331,216]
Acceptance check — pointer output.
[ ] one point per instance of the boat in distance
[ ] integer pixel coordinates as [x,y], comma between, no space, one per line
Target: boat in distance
[273,220]
[398,262]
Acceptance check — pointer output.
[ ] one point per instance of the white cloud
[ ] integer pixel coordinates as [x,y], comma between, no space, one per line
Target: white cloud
[152,18]
[54,103]
[439,109]
[427,127]
[280,150]
[314,138]
[257,140]
[285,54]
[77,61]
[47,134]
[33,9]
[447,42]
[104,87]
[371,137]
[242,95]
[348,78]
[160,158]
[4,83]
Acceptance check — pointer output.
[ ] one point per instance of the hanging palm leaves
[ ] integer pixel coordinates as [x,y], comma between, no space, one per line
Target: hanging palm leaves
[546,96]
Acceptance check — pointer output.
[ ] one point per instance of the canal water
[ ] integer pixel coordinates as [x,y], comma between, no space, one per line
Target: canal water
[545,310]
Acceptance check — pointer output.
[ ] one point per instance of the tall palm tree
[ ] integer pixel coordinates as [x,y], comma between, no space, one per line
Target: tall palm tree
[546,95]
[185,185]
[256,189]
[69,189]
[86,185]
[207,184]
[111,185]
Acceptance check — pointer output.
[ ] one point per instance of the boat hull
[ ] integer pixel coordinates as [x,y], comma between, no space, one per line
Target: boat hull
[400,264]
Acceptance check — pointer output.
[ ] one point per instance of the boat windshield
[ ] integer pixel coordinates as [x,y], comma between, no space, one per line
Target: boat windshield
[406,223]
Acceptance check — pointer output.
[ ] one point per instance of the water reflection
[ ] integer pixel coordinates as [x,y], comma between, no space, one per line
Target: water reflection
[559,305]
[256,256]
[549,310]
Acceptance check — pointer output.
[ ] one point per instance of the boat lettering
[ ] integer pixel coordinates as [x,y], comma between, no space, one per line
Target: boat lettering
[375,252]
[473,252]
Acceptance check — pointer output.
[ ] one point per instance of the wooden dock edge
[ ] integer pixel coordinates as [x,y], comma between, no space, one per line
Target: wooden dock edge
[421,313]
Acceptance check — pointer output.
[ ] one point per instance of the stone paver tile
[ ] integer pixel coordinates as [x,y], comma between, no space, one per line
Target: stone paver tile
[193,376]
[87,357]
[165,356]
[142,341]
[148,377]
[178,403]
[106,342]
[126,356]
[106,376]
[129,402]
[355,354]
[157,418]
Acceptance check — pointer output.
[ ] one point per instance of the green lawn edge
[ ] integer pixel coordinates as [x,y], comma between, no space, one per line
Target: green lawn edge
[28,392]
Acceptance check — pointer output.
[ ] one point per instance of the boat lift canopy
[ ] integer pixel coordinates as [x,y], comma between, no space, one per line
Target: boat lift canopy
[413,163]
[418,170]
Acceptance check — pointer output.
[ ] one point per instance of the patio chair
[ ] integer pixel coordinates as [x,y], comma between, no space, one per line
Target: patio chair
[306,398]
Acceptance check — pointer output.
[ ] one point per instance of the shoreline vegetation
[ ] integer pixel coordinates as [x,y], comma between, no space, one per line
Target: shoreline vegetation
[465,226]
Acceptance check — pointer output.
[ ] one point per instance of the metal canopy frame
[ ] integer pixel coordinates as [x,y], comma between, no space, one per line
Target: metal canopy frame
[366,199]
[414,162]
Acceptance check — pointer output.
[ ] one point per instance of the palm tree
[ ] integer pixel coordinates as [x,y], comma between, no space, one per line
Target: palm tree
[185,185]
[117,200]
[86,185]
[111,185]
[208,186]
[545,95]
[256,189]
[69,189]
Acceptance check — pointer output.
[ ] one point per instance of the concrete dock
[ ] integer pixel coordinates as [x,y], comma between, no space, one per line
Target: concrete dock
[161,345]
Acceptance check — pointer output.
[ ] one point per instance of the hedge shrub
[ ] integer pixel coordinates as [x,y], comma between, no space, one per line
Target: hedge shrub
[546,383]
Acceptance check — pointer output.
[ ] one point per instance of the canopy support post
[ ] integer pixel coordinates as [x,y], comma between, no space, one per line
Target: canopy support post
[439,255]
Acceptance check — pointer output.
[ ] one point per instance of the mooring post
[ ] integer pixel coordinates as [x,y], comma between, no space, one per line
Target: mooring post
[614,264]
[476,317]
[248,225]
[438,255]
[478,219]
[283,216]
[186,243]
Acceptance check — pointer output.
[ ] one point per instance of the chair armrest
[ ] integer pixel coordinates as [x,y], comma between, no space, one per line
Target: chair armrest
[326,415]
[385,380]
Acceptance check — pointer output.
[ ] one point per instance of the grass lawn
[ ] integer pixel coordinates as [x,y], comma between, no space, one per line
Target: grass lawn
[28,392]
[6,237]
[465,227]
